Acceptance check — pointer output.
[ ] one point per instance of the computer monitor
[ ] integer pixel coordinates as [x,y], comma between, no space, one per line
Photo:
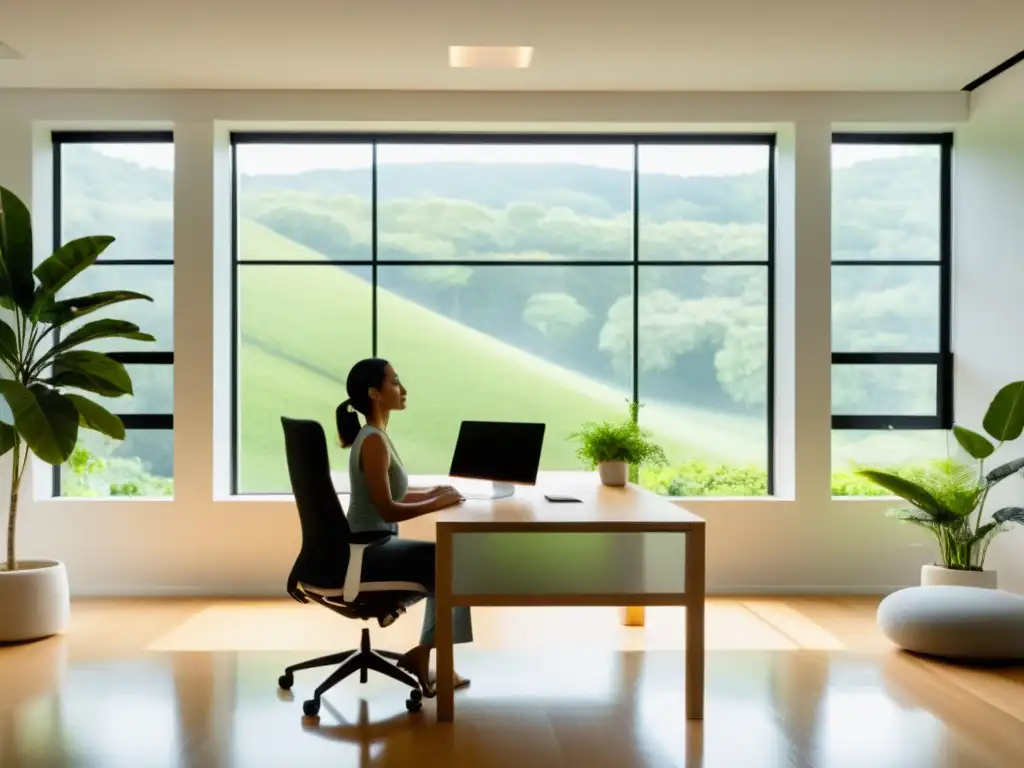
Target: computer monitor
[505,452]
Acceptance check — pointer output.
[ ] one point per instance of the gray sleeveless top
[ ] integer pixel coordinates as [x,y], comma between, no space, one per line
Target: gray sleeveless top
[362,515]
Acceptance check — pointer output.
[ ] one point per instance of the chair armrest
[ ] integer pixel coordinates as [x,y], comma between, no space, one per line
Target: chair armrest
[354,573]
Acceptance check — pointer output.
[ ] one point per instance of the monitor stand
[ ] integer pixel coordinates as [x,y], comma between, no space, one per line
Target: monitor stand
[498,491]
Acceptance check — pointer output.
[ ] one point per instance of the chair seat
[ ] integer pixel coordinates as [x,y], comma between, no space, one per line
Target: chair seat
[381,600]
[367,586]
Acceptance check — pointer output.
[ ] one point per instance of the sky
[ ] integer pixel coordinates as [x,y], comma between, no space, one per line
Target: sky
[678,161]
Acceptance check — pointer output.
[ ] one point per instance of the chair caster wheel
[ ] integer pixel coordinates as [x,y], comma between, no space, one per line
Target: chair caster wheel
[311,708]
[415,695]
[413,705]
[286,681]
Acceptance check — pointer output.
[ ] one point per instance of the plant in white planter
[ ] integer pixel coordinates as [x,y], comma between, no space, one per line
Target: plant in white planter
[616,447]
[948,497]
[35,373]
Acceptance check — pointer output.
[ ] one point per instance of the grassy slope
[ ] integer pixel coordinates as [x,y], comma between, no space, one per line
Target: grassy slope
[293,362]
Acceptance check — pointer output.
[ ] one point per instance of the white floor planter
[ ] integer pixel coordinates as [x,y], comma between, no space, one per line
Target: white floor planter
[614,473]
[34,601]
[937,576]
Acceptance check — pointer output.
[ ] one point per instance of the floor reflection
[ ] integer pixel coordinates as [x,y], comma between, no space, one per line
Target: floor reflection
[67,702]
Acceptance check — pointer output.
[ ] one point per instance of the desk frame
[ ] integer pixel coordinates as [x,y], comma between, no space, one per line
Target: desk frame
[692,599]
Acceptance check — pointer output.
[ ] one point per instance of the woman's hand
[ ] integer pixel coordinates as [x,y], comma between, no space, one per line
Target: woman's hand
[426,494]
[448,498]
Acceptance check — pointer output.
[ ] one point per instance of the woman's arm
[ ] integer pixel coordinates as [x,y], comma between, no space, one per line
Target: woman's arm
[375,458]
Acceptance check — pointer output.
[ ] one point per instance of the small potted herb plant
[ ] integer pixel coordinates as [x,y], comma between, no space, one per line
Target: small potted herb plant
[614,447]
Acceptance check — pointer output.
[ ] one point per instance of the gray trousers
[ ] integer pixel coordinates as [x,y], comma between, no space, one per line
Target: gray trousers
[401,559]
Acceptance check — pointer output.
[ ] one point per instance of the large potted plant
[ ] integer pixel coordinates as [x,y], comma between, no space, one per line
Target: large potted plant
[37,368]
[948,497]
[617,448]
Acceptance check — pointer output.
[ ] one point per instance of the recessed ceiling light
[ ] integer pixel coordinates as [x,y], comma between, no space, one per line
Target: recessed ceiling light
[490,56]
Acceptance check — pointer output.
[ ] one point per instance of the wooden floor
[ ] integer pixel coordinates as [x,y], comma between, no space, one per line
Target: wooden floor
[790,682]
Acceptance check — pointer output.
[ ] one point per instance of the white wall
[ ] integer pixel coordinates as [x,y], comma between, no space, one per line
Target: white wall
[201,542]
[989,278]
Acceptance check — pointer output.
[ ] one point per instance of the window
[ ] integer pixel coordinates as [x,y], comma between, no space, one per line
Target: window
[891,359]
[541,278]
[122,184]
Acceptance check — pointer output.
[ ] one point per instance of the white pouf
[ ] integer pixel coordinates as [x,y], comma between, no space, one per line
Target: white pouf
[969,623]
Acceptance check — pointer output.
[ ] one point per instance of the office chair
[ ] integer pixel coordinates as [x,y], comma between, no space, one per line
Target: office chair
[330,569]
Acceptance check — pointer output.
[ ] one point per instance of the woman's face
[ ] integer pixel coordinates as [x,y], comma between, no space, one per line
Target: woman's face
[391,395]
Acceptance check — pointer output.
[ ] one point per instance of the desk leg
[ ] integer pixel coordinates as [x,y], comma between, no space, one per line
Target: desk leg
[633,616]
[695,588]
[443,632]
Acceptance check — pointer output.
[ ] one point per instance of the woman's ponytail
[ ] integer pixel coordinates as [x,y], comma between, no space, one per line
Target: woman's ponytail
[348,424]
[365,375]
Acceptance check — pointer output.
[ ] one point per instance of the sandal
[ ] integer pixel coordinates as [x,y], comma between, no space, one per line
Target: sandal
[460,682]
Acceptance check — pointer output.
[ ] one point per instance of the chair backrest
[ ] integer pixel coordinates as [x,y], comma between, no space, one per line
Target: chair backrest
[323,557]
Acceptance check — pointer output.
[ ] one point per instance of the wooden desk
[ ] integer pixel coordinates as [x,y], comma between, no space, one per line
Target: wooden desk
[619,547]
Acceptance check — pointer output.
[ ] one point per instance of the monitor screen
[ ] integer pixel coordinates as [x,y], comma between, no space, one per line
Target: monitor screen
[501,451]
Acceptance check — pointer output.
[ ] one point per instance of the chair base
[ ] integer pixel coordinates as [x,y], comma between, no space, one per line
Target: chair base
[364,660]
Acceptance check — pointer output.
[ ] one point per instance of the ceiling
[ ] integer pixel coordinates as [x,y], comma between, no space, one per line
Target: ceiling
[714,45]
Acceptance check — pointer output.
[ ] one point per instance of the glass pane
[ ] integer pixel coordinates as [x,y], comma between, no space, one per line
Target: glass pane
[704,378]
[886,202]
[304,201]
[140,465]
[300,330]
[123,190]
[704,203]
[154,392]
[885,309]
[884,390]
[568,563]
[153,317]
[522,343]
[488,202]
[882,449]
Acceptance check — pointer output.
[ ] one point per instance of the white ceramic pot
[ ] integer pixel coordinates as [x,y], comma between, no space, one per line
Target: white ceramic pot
[614,473]
[34,600]
[937,576]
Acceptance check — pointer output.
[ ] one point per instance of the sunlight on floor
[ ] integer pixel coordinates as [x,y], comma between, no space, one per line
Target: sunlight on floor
[276,626]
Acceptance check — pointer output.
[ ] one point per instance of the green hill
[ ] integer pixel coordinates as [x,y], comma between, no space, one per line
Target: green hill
[294,363]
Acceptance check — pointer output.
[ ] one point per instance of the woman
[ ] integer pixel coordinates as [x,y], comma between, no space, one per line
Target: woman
[381,498]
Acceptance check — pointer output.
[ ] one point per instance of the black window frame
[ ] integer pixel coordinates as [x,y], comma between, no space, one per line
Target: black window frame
[942,360]
[131,421]
[768,140]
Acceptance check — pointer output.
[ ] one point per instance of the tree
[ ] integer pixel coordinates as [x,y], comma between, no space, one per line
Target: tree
[555,315]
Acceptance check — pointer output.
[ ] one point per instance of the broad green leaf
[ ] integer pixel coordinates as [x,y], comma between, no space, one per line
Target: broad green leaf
[977,446]
[8,344]
[984,531]
[93,372]
[1004,420]
[1009,515]
[61,312]
[101,329]
[69,260]
[1004,471]
[7,437]
[96,417]
[905,489]
[915,516]
[16,250]
[46,420]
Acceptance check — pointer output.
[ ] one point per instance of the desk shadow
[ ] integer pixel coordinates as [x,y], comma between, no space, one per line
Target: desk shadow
[394,739]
